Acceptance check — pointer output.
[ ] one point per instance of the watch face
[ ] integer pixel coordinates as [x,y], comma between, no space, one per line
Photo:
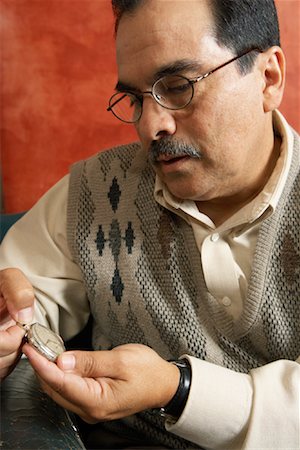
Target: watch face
[45,341]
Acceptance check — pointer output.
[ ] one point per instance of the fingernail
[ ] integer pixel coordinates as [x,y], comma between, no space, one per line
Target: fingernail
[25,315]
[67,361]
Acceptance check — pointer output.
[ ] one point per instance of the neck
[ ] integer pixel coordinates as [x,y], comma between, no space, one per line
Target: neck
[222,208]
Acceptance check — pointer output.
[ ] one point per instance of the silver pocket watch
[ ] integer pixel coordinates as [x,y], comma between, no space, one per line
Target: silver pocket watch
[44,340]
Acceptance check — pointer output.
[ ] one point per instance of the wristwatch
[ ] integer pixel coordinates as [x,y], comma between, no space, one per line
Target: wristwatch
[44,340]
[175,407]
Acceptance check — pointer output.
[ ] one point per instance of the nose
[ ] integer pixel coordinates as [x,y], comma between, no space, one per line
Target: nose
[156,122]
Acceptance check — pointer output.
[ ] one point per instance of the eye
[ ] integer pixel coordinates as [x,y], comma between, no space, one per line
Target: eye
[133,100]
[173,85]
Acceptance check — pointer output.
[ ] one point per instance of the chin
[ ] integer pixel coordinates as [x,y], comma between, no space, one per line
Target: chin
[183,186]
[194,193]
[184,194]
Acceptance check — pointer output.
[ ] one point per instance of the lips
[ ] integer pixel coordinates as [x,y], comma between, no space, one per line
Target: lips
[168,159]
[172,164]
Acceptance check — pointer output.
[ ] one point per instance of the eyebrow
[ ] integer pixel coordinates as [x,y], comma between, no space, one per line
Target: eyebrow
[169,69]
[177,67]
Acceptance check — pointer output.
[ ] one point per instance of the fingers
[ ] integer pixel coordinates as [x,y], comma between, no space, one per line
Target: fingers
[72,387]
[10,340]
[64,403]
[8,364]
[16,302]
[10,349]
[79,402]
[18,294]
[44,368]
[77,394]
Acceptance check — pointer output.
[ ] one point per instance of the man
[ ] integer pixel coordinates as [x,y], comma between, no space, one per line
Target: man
[206,270]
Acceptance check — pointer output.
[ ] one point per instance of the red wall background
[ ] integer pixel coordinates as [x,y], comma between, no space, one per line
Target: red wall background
[58,71]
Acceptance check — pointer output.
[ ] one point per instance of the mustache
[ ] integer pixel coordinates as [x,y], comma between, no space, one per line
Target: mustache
[172,147]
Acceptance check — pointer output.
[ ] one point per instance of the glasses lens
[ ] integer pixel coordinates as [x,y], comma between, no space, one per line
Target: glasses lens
[173,91]
[126,107]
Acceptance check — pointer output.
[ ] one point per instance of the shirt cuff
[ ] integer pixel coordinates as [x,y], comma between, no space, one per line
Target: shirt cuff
[218,408]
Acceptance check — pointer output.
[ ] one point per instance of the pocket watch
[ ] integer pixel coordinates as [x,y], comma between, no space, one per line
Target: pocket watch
[44,340]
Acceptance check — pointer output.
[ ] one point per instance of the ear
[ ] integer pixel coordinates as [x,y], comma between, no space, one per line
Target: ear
[273,72]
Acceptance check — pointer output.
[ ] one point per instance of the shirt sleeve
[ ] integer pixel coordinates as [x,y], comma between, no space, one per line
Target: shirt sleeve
[37,245]
[235,411]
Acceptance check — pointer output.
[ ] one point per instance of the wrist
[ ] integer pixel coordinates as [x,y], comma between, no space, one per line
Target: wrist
[175,406]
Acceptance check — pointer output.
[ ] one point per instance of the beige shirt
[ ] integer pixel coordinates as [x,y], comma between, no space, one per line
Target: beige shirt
[225,410]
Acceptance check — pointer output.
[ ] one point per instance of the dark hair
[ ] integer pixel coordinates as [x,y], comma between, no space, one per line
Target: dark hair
[240,25]
[121,7]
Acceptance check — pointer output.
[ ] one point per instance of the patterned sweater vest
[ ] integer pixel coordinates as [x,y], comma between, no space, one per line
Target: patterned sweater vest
[144,280]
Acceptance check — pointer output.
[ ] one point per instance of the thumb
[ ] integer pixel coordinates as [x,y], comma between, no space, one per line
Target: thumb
[90,364]
[18,295]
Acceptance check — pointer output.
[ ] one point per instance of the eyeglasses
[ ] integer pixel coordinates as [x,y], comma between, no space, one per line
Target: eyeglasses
[171,92]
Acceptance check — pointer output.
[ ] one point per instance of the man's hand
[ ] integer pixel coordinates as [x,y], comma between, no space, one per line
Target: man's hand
[107,385]
[16,304]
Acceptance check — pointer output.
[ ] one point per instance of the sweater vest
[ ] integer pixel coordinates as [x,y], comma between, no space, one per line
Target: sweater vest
[144,280]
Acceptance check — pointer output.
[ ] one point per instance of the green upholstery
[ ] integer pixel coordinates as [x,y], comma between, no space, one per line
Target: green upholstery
[6,221]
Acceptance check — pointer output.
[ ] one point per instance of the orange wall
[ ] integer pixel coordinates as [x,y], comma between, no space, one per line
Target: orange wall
[58,71]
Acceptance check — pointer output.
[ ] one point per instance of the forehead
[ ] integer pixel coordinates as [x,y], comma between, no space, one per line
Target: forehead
[160,32]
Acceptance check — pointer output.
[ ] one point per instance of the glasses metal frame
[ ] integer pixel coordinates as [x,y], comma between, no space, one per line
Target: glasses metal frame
[192,81]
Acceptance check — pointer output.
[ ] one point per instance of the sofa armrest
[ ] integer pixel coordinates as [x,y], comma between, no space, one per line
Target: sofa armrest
[30,419]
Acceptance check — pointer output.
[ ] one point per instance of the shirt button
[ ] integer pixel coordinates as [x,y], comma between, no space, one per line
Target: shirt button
[226,301]
[215,237]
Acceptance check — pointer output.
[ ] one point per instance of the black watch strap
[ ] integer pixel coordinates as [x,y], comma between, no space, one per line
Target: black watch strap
[174,408]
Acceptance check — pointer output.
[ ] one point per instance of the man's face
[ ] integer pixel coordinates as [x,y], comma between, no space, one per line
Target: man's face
[225,123]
